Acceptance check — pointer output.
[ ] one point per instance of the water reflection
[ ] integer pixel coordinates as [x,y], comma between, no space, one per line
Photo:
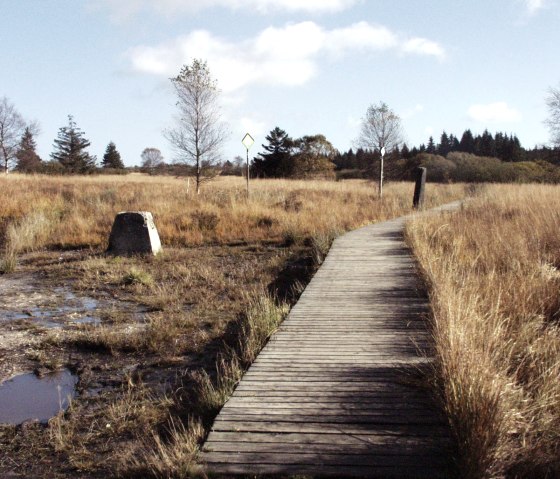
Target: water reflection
[28,396]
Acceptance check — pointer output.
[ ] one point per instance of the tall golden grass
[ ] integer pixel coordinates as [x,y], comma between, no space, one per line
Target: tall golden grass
[71,212]
[494,274]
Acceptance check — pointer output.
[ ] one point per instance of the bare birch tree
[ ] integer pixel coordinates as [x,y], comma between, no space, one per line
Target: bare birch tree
[381,128]
[553,121]
[199,132]
[12,127]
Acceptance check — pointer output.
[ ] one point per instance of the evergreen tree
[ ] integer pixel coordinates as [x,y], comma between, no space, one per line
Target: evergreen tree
[444,146]
[27,158]
[467,142]
[486,145]
[70,149]
[112,158]
[345,161]
[431,148]
[273,163]
[453,140]
[405,152]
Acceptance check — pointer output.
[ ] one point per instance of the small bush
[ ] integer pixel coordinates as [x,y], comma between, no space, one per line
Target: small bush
[205,221]
[266,222]
[136,276]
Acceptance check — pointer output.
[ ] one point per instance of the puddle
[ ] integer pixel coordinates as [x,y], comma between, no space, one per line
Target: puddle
[27,396]
[24,300]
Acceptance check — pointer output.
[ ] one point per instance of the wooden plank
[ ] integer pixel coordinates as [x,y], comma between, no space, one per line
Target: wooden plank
[389,449]
[338,389]
[322,470]
[324,458]
[335,440]
[238,406]
[406,430]
[348,417]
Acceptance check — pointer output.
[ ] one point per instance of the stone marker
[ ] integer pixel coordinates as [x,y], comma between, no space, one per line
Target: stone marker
[134,232]
[418,200]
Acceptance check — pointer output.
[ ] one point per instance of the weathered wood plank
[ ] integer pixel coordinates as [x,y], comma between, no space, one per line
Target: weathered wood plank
[406,430]
[322,470]
[338,389]
[337,439]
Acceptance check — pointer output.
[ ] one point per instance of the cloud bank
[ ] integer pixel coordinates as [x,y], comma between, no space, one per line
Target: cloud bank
[286,56]
[498,112]
[533,6]
[123,9]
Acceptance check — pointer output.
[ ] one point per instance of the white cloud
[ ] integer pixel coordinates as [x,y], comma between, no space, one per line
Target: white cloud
[407,114]
[276,56]
[123,9]
[498,112]
[422,46]
[360,36]
[533,6]
[256,128]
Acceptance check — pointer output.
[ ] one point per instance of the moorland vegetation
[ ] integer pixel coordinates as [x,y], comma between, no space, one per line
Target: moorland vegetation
[493,271]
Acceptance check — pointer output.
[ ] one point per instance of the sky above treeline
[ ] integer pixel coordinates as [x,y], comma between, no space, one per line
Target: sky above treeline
[306,66]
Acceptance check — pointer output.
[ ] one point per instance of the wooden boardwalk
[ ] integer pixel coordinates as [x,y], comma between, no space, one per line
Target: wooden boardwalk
[337,390]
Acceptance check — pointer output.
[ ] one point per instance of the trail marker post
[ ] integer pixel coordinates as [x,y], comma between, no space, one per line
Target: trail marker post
[418,201]
[248,141]
[382,151]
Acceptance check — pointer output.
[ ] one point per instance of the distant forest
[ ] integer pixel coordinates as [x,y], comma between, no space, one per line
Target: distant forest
[486,157]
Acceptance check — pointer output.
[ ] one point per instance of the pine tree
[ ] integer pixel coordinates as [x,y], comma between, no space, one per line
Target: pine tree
[112,158]
[444,146]
[70,149]
[27,158]
[431,148]
[405,152]
[467,142]
[486,145]
[272,163]
[454,143]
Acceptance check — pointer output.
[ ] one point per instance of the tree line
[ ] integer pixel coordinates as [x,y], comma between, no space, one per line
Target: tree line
[199,133]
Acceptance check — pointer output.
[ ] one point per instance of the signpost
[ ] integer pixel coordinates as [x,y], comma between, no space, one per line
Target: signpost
[247,141]
[381,173]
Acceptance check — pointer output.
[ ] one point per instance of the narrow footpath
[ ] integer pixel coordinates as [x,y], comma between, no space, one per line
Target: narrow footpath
[338,389]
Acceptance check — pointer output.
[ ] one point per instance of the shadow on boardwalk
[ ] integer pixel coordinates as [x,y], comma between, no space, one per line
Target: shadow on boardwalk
[338,390]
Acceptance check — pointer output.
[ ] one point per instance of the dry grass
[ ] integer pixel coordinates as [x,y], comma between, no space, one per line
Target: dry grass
[192,294]
[175,456]
[63,212]
[494,273]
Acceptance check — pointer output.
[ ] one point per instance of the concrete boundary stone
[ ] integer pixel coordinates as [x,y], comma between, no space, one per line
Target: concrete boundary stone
[134,232]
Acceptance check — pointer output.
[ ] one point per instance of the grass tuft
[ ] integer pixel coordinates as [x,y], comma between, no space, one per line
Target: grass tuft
[491,269]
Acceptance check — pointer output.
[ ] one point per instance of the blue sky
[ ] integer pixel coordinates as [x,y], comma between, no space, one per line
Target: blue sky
[307,66]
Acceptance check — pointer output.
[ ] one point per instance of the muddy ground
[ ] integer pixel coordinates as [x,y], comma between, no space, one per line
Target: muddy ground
[132,331]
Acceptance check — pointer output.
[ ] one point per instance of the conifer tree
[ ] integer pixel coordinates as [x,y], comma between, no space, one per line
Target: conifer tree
[112,158]
[485,145]
[467,142]
[405,152]
[431,148]
[70,149]
[273,162]
[27,158]
[444,146]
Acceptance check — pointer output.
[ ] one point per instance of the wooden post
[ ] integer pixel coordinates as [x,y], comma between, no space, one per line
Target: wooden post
[418,201]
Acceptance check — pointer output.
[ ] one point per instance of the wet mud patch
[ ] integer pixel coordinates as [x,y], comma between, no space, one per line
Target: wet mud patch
[159,321]
[33,306]
[29,298]
[31,397]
